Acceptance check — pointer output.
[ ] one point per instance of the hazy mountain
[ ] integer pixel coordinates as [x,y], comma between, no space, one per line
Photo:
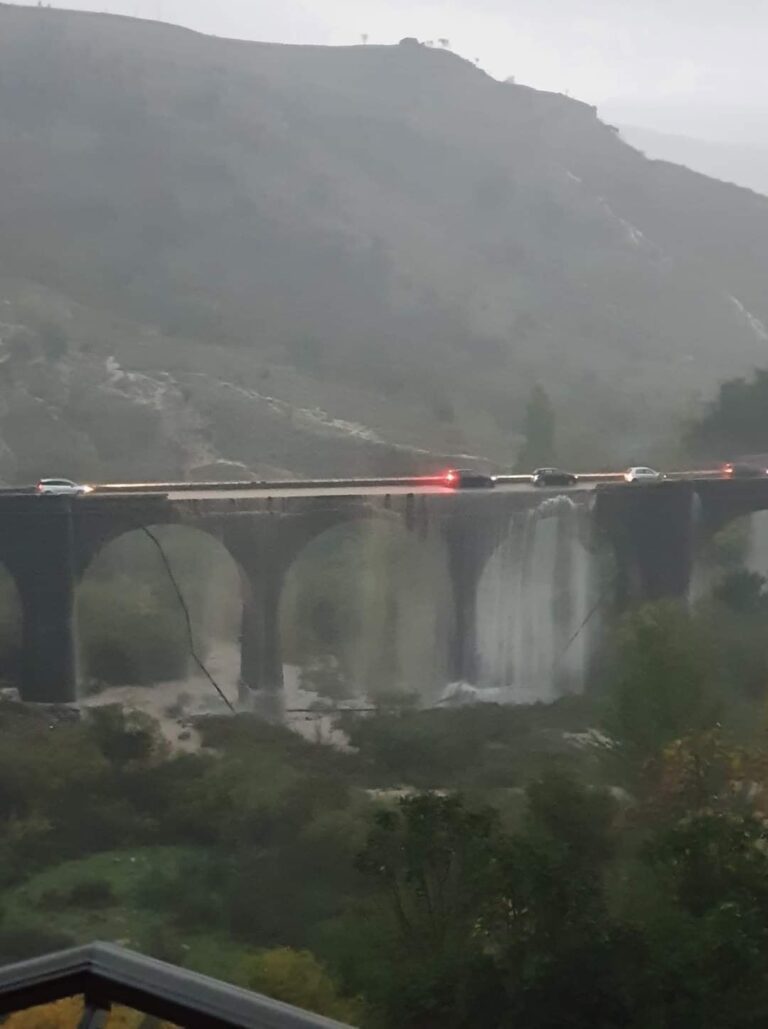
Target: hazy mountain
[731,162]
[382,233]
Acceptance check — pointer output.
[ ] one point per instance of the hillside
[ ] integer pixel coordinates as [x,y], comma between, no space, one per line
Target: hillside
[306,258]
[745,165]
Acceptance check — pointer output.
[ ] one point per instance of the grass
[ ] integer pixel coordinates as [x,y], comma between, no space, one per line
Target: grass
[125,921]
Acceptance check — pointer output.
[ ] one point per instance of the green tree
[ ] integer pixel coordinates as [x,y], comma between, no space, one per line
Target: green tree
[743,592]
[661,685]
[736,422]
[566,960]
[539,430]
[705,929]
[436,865]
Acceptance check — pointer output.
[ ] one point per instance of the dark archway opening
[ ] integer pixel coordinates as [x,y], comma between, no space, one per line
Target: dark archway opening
[365,615]
[132,626]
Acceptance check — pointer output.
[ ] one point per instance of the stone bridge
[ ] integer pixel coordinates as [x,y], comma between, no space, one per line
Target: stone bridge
[48,543]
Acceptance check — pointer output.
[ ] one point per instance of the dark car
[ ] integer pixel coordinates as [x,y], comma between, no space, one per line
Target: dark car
[750,467]
[554,477]
[465,478]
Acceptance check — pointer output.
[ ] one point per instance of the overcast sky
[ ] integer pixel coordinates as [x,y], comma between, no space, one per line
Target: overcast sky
[692,66]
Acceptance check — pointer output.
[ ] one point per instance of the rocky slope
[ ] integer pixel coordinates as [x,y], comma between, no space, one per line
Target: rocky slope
[318,259]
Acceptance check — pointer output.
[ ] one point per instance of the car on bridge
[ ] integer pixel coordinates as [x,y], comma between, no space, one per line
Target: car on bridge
[465,478]
[752,466]
[641,474]
[553,477]
[61,488]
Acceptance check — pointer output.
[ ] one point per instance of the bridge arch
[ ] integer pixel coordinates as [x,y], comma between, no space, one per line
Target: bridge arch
[536,595]
[738,544]
[365,611]
[132,626]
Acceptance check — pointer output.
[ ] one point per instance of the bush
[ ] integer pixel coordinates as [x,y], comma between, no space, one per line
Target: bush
[124,736]
[663,683]
[297,977]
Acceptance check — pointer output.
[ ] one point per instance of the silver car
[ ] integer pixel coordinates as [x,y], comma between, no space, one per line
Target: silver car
[62,488]
[641,474]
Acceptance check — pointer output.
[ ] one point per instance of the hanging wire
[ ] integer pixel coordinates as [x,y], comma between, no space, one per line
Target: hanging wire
[187,618]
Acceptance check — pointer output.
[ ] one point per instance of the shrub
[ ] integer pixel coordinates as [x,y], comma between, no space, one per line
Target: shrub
[297,977]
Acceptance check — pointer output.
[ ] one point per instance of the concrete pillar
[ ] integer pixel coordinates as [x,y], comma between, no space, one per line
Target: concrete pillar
[261,662]
[45,576]
[467,553]
[652,530]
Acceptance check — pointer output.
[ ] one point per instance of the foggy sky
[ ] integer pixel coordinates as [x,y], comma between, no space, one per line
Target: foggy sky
[695,67]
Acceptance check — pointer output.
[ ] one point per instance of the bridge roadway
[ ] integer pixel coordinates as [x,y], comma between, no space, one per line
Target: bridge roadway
[365,491]
[425,485]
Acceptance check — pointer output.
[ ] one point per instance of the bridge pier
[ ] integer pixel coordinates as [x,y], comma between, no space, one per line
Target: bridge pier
[464,656]
[262,556]
[469,542]
[652,531]
[43,566]
[261,665]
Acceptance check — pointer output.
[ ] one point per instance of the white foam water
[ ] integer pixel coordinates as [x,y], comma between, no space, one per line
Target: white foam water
[536,604]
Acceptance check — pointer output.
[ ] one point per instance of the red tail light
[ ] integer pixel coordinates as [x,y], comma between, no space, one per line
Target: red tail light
[451,478]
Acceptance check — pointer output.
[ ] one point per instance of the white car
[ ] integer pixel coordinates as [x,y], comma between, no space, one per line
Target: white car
[642,475]
[62,488]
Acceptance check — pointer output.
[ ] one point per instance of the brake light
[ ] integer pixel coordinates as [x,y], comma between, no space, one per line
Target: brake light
[451,478]
[728,469]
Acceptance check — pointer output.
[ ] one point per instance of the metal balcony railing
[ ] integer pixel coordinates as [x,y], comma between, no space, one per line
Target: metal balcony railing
[105,975]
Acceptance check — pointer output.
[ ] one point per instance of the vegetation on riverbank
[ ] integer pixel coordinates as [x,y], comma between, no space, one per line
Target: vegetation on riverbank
[574,863]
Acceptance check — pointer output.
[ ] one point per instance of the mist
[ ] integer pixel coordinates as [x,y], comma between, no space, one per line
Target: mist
[693,69]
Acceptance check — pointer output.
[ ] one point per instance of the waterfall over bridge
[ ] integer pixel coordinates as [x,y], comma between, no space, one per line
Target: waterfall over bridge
[528,569]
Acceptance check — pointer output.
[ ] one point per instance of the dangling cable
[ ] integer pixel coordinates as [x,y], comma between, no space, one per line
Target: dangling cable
[187,618]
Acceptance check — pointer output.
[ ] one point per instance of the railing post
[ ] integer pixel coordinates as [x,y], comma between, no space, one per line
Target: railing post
[95,1015]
